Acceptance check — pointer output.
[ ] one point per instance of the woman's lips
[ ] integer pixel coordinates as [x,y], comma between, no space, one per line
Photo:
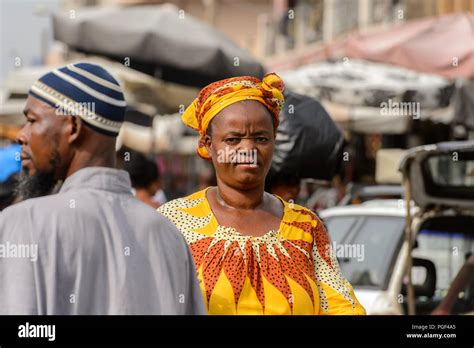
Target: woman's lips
[247,165]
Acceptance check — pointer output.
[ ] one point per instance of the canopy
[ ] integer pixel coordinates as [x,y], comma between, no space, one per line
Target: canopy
[159,40]
[443,45]
[368,97]
[436,45]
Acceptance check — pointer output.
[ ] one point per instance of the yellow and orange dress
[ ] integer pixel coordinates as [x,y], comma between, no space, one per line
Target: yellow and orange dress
[289,271]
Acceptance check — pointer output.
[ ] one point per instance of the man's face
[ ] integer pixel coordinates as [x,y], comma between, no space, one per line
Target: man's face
[42,148]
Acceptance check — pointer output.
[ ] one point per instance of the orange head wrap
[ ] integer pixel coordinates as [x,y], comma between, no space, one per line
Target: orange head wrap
[215,97]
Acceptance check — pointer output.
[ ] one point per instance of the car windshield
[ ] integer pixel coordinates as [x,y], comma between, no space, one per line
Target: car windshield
[449,177]
[448,172]
[366,247]
[448,251]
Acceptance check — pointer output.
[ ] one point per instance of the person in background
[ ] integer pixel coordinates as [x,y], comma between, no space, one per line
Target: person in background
[254,252]
[325,194]
[91,248]
[145,178]
[286,186]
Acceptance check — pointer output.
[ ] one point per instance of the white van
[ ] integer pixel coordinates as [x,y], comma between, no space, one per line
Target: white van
[440,182]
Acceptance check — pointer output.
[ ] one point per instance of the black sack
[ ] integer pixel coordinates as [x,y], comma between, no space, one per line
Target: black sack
[308,142]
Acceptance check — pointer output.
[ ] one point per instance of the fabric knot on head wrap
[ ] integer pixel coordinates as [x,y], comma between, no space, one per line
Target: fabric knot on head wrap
[218,95]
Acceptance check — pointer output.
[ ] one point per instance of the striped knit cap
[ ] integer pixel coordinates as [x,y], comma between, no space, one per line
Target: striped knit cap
[85,90]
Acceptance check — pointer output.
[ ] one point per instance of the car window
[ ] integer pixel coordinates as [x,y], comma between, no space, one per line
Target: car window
[339,227]
[447,251]
[367,256]
[443,177]
[446,172]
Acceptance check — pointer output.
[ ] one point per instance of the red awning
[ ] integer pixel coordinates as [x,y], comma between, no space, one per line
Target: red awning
[438,45]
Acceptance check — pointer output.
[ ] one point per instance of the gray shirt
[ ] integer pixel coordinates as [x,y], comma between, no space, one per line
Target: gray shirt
[98,251]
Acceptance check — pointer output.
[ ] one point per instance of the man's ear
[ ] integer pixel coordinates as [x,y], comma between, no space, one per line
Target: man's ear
[74,128]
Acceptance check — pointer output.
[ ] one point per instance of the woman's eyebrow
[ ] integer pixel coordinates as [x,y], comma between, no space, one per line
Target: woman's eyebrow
[235,133]
[256,133]
[261,132]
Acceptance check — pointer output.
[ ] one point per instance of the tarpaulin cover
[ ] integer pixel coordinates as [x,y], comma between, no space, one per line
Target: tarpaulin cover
[308,142]
[364,83]
[437,45]
[358,93]
[159,40]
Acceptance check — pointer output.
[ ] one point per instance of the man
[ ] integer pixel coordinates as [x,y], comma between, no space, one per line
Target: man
[92,248]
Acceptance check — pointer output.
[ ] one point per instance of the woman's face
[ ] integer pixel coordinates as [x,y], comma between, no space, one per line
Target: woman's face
[241,144]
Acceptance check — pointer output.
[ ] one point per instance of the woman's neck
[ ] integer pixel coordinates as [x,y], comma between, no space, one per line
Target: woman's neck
[240,199]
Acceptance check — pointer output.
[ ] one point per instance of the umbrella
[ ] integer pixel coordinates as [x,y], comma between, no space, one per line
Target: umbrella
[368,97]
[159,40]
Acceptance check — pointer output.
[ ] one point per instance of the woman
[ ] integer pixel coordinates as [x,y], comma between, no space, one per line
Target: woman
[254,253]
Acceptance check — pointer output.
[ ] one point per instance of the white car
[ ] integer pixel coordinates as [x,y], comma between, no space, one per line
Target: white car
[372,243]
[376,229]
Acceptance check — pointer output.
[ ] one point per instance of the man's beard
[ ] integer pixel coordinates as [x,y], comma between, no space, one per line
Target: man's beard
[41,183]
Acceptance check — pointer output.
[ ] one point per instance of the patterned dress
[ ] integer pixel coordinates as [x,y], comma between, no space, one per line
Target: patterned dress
[289,271]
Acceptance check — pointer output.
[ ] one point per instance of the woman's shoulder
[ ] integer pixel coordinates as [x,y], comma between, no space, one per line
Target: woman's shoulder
[183,202]
[298,216]
[297,211]
[189,214]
